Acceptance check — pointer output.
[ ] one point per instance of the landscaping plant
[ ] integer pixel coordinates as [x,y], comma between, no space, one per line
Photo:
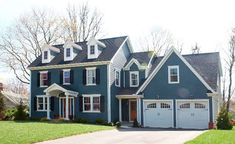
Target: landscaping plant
[2,106]
[223,120]
[21,113]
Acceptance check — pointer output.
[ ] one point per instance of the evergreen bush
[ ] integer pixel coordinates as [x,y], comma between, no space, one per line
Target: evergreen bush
[223,120]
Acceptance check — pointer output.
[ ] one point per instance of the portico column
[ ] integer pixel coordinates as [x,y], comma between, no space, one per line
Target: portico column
[120,109]
[138,107]
[48,107]
[67,107]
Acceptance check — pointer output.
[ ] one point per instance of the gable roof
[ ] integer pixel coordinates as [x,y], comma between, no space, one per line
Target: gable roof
[204,66]
[112,45]
[141,59]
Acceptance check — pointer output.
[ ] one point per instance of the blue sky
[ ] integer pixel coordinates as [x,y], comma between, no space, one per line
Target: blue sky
[206,22]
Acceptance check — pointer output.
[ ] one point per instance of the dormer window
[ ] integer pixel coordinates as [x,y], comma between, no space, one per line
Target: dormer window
[45,55]
[134,79]
[68,52]
[92,49]
[48,53]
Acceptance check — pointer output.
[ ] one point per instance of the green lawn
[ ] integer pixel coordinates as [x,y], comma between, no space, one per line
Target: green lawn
[28,132]
[215,137]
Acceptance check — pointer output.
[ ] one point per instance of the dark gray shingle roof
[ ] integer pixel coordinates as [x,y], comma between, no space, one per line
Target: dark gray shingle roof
[112,45]
[142,57]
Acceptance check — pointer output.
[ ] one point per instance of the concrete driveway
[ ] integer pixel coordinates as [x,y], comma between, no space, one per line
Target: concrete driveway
[130,136]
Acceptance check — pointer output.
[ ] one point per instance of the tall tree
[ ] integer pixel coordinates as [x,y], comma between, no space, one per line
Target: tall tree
[230,62]
[196,49]
[83,23]
[22,42]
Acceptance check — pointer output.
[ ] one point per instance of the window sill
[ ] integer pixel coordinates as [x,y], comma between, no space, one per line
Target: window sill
[134,85]
[42,110]
[90,84]
[43,86]
[66,83]
[173,82]
[91,112]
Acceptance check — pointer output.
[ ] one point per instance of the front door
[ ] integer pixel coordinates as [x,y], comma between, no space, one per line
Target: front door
[62,107]
[133,112]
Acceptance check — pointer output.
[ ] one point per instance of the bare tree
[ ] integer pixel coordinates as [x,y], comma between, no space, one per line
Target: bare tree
[230,62]
[17,87]
[158,41]
[22,43]
[82,23]
[196,49]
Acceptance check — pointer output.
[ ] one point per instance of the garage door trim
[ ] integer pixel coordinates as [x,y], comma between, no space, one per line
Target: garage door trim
[154,100]
[190,100]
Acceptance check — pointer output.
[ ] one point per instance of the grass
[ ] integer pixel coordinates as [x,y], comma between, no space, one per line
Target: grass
[215,137]
[29,132]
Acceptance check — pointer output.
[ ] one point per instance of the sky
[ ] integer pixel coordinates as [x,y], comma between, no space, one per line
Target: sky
[205,22]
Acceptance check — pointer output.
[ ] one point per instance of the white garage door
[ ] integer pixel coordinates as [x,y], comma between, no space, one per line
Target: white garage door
[158,113]
[192,114]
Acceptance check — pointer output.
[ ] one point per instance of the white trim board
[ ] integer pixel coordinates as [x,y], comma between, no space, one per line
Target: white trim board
[156,70]
[134,61]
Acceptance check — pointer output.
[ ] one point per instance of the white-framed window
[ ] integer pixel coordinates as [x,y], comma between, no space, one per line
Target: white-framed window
[68,52]
[43,78]
[92,50]
[173,74]
[134,78]
[46,56]
[117,77]
[42,103]
[66,76]
[91,103]
[91,76]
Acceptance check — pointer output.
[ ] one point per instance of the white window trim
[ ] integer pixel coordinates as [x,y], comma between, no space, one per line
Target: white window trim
[87,69]
[119,77]
[178,75]
[95,55]
[48,56]
[71,54]
[137,73]
[41,72]
[44,104]
[91,102]
[66,70]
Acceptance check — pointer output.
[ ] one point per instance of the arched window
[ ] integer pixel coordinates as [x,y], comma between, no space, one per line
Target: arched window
[185,105]
[152,105]
[199,106]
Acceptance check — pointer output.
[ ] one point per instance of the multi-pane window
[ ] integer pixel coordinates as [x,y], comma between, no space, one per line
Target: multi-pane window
[66,76]
[45,53]
[185,105]
[43,79]
[91,76]
[68,52]
[117,78]
[165,105]
[41,103]
[92,49]
[134,79]
[152,105]
[173,74]
[91,103]
[199,106]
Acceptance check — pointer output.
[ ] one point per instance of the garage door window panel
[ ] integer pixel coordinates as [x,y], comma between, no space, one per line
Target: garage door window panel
[165,105]
[199,106]
[152,105]
[185,106]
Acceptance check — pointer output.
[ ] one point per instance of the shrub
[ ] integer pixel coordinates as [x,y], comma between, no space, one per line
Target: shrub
[2,106]
[136,123]
[9,114]
[223,120]
[21,113]
[44,119]
[118,124]
[81,120]
[99,121]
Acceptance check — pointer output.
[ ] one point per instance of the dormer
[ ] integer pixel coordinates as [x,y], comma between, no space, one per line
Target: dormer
[48,53]
[70,50]
[94,48]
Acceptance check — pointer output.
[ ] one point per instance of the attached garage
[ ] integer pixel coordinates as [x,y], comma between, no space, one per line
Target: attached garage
[158,113]
[192,114]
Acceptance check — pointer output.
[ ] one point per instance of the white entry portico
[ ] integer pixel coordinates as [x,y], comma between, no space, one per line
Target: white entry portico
[56,90]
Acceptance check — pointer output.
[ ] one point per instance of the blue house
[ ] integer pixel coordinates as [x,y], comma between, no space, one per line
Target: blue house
[106,79]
